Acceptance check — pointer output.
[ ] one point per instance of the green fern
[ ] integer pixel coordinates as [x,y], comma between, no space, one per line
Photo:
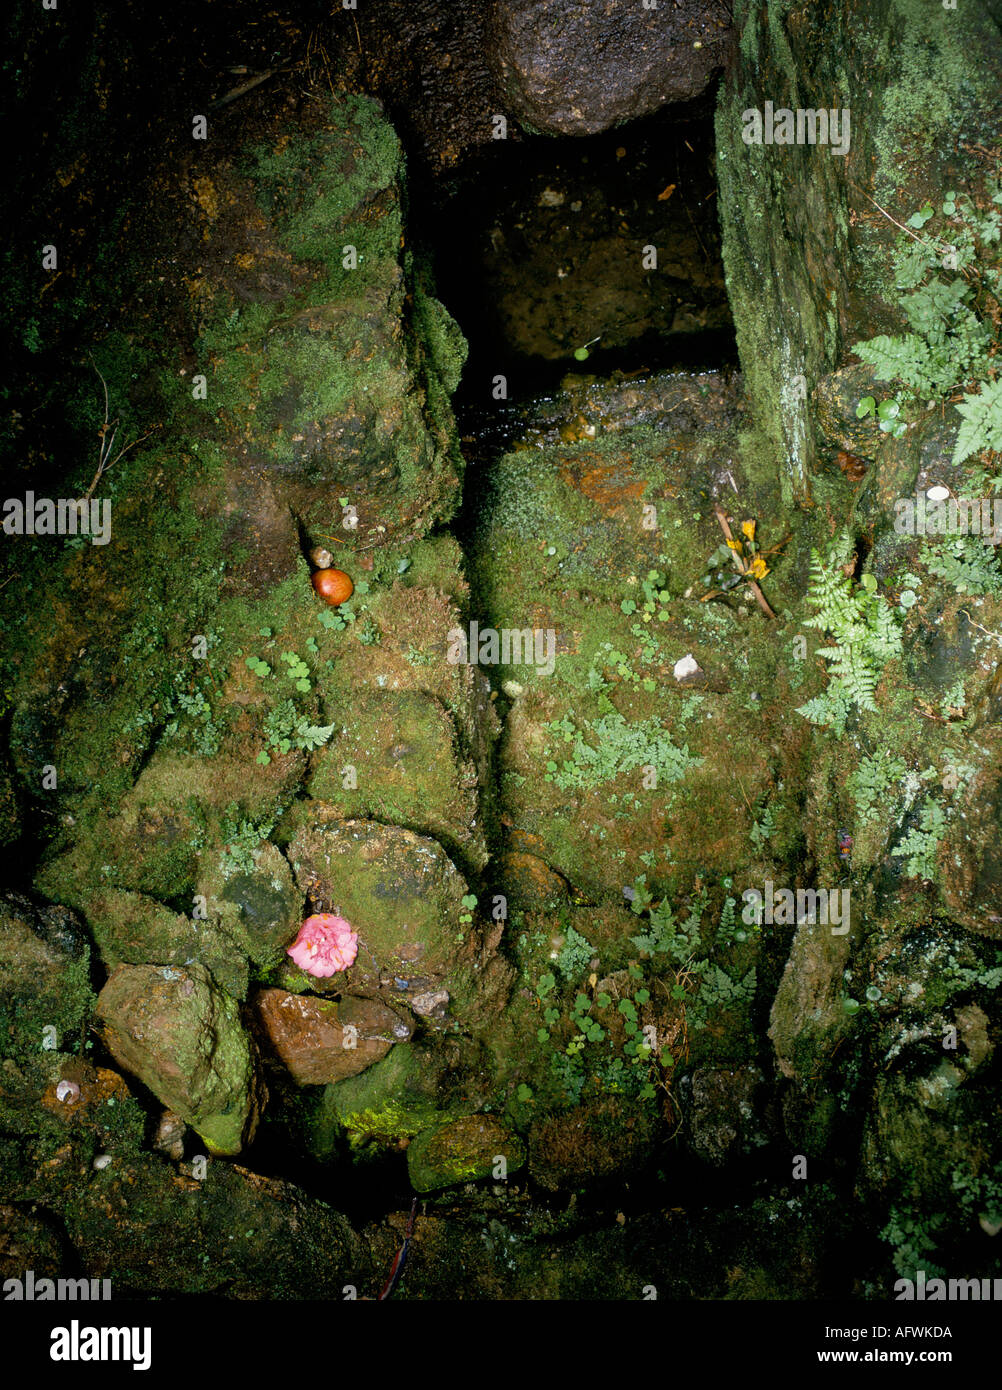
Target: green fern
[875,784]
[982,427]
[919,846]
[952,322]
[865,637]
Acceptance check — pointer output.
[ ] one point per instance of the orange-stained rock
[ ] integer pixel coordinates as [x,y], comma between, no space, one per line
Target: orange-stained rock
[319,1041]
[529,881]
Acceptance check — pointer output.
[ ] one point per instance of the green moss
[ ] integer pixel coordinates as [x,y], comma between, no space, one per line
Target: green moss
[407,769]
[391,1101]
[461,1150]
[320,186]
[30,1006]
[138,931]
[939,85]
[441,335]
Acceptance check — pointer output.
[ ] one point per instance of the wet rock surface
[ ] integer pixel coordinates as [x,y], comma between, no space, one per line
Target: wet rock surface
[318,1041]
[721,1113]
[572,69]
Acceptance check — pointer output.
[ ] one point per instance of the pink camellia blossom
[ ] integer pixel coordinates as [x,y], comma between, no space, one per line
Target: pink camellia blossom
[326,944]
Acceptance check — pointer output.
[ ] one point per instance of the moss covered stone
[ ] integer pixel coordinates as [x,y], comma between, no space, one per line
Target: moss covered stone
[231,1233]
[316,380]
[609,756]
[590,1143]
[135,930]
[808,1017]
[462,1151]
[405,768]
[402,895]
[407,1092]
[257,904]
[45,993]
[180,807]
[182,1036]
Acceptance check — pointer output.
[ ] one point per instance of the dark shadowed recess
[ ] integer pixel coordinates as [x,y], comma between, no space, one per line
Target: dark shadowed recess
[540,247]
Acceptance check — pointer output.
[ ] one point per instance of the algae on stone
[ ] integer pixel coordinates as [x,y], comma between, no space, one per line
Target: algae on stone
[182,1036]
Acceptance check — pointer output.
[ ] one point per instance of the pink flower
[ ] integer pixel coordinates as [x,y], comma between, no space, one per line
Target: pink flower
[325,944]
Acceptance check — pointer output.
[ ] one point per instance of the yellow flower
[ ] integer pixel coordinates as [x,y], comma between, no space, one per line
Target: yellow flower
[758,568]
[748,527]
[735,545]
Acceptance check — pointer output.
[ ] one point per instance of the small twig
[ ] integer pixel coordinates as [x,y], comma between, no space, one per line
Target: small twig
[745,795]
[105,461]
[246,87]
[996,637]
[931,246]
[921,240]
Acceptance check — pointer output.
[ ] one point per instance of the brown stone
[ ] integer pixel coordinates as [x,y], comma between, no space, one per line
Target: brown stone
[568,68]
[312,1039]
[590,1143]
[530,882]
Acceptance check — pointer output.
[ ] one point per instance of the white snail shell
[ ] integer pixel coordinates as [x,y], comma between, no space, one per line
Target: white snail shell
[322,558]
[67,1091]
[102,1161]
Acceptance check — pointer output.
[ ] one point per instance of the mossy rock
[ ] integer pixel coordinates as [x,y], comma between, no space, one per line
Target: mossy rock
[403,896]
[182,1036]
[155,1230]
[919,458]
[596,830]
[529,883]
[414,623]
[409,770]
[45,993]
[31,1241]
[317,379]
[925,1127]
[93,1113]
[462,1151]
[132,929]
[590,1143]
[808,1018]
[405,1093]
[180,808]
[921,969]
[972,847]
[259,906]
[720,1112]
[580,741]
